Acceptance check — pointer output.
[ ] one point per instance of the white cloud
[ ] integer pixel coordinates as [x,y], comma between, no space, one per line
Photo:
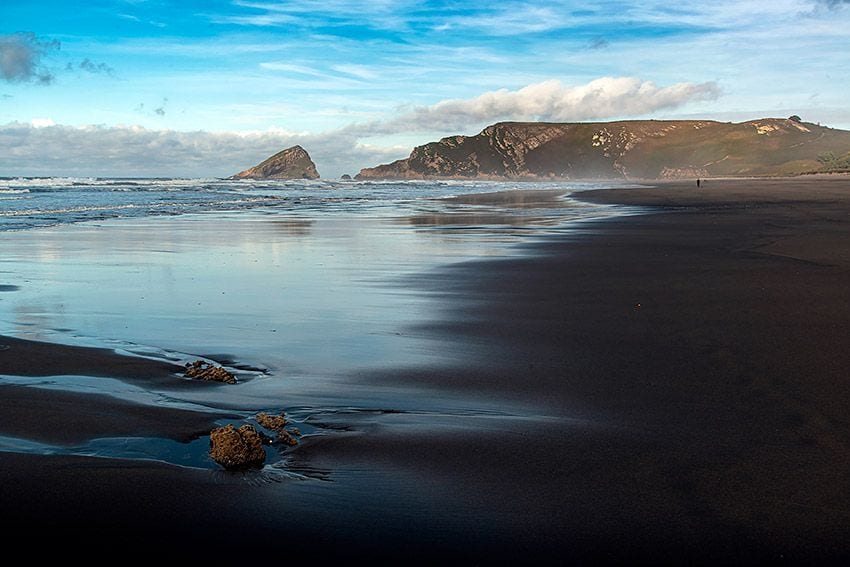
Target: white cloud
[42,122]
[359,71]
[504,19]
[605,98]
[289,67]
[306,76]
[256,20]
[379,14]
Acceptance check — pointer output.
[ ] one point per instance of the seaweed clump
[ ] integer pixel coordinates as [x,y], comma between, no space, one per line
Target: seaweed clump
[236,449]
[276,423]
[200,370]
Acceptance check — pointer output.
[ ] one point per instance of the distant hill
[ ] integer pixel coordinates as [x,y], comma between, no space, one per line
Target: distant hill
[291,163]
[636,149]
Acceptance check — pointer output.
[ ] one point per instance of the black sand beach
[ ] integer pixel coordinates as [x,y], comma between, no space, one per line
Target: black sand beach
[690,369]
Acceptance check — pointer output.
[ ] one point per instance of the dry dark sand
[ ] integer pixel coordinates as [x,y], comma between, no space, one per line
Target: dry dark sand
[696,358]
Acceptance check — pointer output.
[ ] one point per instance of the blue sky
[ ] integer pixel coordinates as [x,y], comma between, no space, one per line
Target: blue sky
[191,88]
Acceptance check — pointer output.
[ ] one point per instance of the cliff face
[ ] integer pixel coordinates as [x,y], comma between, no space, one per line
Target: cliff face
[646,149]
[291,163]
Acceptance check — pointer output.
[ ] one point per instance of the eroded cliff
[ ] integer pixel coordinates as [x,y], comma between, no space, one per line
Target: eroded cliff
[646,149]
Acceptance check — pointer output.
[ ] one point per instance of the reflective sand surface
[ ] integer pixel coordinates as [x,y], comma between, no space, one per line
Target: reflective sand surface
[301,306]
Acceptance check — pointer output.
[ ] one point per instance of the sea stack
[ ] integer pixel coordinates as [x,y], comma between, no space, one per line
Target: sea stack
[291,163]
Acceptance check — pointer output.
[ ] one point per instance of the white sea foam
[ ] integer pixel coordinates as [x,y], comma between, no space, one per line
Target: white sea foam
[33,212]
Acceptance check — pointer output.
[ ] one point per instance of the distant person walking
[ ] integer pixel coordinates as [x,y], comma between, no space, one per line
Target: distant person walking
[697,182]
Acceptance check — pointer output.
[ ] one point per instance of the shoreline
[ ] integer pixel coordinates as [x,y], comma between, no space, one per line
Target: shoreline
[687,368]
[696,350]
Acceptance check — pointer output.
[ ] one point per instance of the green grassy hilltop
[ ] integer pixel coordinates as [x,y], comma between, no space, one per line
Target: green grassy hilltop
[635,149]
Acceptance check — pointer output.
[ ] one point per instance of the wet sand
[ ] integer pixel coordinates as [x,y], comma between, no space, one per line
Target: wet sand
[64,418]
[688,367]
[21,357]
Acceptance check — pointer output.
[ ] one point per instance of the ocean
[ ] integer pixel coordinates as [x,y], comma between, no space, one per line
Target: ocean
[27,203]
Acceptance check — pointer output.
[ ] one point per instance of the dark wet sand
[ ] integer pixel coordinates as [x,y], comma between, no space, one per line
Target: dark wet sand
[20,357]
[697,357]
[67,418]
[62,417]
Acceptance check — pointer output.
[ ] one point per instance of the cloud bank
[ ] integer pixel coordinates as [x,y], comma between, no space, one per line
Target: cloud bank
[20,58]
[603,98]
[45,149]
